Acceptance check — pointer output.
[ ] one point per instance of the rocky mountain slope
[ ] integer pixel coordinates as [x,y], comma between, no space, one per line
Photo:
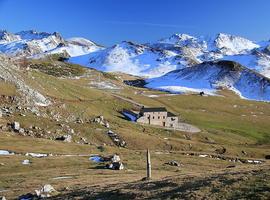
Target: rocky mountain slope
[10,72]
[210,76]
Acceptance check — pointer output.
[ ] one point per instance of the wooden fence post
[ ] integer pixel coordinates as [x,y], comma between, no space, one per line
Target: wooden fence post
[148,164]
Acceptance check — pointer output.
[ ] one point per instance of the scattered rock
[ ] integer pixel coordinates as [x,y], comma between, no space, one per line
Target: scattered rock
[107,125]
[46,191]
[65,138]
[26,162]
[84,140]
[100,120]
[115,166]
[173,163]
[79,121]
[116,139]
[3,198]
[243,152]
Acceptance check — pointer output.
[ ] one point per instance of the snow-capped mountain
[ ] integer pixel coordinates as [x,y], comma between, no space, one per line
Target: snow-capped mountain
[211,76]
[132,58]
[180,62]
[6,37]
[232,45]
[256,60]
[175,52]
[36,44]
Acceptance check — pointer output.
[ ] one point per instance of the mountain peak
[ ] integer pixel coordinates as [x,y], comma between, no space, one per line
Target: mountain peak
[177,38]
[35,35]
[231,44]
[6,36]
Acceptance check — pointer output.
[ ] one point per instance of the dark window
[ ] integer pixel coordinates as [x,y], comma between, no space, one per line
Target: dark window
[163,117]
[153,117]
[158,117]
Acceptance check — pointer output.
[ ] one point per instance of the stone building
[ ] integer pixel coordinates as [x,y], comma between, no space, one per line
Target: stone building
[158,116]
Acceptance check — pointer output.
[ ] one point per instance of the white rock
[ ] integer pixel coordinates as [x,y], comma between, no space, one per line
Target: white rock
[26,162]
[16,126]
[115,158]
[45,191]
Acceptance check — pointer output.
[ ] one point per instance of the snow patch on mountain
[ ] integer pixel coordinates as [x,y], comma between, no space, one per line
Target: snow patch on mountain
[258,61]
[130,58]
[212,76]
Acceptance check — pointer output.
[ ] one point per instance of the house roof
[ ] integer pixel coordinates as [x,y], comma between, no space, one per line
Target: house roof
[154,109]
[171,114]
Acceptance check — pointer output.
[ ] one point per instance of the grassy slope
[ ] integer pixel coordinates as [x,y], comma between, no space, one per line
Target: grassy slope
[222,124]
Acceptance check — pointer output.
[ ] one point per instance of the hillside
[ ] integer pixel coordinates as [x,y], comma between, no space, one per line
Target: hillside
[78,95]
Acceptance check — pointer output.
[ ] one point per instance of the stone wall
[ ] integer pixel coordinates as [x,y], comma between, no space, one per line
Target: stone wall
[172,122]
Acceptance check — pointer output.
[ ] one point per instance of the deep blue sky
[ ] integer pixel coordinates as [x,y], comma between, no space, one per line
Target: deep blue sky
[110,21]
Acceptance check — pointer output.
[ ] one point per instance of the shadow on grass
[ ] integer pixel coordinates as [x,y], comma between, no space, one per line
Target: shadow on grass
[230,185]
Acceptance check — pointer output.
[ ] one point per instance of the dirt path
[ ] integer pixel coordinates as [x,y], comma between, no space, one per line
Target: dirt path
[128,100]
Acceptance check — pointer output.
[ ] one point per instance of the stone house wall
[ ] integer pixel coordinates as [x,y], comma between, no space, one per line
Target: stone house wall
[159,119]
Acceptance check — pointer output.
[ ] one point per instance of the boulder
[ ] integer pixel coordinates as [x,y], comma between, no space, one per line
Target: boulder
[173,163]
[267,157]
[1,114]
[116,166]
[115,158]
[26,162]
[16,126]
[46,191]
[65,138]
